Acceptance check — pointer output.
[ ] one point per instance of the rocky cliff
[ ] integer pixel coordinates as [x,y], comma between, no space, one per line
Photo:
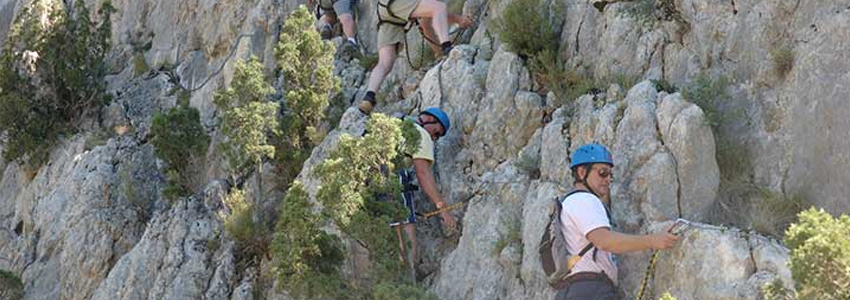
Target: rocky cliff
[91,223]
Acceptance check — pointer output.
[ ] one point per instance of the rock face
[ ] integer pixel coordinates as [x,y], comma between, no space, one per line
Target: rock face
[90,224]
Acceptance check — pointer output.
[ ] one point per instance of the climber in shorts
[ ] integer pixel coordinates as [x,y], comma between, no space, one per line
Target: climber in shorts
[393,18]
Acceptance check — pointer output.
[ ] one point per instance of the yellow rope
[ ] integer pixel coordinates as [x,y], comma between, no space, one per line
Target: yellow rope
[649,270]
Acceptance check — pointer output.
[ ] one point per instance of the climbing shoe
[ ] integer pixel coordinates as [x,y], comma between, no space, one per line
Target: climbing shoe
[326,31]
[447,48]
[366,107]
[351,48]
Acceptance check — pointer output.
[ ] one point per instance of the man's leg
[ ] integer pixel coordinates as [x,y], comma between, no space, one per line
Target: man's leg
[347,21]
[437,12]
[410,231]
[386,58]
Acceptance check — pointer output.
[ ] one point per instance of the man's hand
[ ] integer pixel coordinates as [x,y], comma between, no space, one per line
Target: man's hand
[449,223]
[465,21]
[664,240]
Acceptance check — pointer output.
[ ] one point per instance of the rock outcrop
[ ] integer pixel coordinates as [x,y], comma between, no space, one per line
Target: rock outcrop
[91,224]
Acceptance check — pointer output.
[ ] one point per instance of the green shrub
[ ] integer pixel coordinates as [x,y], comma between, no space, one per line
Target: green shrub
[368,61]
[529,164]
[783,59]
[526,29]
[308,258]
[247,122]
[402,291]
[667,296]
[550,71]
[354,191]
[820,255]
[641,11]
[180,140]
[708,93]
[776,290]
[307,66]
[662,85]
[745,205]
[45,89]
[250,236]
[140,65]
[511,236]
[11,287]
[580,84]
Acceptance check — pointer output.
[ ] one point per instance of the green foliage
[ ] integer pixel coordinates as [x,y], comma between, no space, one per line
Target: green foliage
[550,70]
[708,93]
[512,235]
[180,140]
[664,85]
[45,89]
[11,287]
[368,61]
[249,235]
[625,81]
[247,118]
[140,64]
[580,84]
[308,257]
[777,291]
[402,291]
[526,29]
[642,11]
[820,255]
[745,205]
[306,62]
[359,197]
[667,296]
[783,59]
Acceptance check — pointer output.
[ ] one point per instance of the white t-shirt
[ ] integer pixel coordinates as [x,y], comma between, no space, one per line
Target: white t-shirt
[581,213]
[426,145]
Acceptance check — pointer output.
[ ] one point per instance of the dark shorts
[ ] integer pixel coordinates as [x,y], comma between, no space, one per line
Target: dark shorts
[588,290]
[407,197]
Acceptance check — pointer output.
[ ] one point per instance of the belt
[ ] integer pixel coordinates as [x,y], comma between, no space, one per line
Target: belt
[584,276]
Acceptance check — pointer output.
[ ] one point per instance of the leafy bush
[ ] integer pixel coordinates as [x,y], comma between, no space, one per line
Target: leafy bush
[708,93]
[820,255]
[308,258]
[662,85]
[354,195]
[550,71]
[642,11]
[181,141]
[667,296]
[307,66]
[783,59]
[402,291]
[250,236]
[45,89]
[247,118]
[525,28]
[11,287]
[746,205]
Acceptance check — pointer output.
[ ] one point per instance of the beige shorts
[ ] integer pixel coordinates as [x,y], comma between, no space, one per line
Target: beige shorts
[391,34]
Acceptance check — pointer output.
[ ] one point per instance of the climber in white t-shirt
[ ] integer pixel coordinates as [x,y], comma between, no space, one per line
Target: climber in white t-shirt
[586,218]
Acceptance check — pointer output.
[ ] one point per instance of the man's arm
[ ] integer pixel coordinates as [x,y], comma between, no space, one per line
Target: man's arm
[619,243]
[429,187]
[461,20]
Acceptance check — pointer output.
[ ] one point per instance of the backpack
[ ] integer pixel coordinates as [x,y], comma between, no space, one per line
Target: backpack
[555,257]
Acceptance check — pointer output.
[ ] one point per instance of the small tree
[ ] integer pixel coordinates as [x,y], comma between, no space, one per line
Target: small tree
[51,75]
[180,140]
[11,287]
[820,255]
[308,257]
[306,63]
[247,120]
[357,196]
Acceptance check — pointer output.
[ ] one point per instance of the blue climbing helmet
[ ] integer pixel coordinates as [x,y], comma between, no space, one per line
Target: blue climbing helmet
[441,117]
[591,153]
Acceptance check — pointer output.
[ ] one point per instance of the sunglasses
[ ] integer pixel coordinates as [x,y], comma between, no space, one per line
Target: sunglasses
[605,173]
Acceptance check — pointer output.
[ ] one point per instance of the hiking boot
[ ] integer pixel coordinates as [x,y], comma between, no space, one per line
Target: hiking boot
[350,48]
[600,5]
[326,31]
[366,107]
